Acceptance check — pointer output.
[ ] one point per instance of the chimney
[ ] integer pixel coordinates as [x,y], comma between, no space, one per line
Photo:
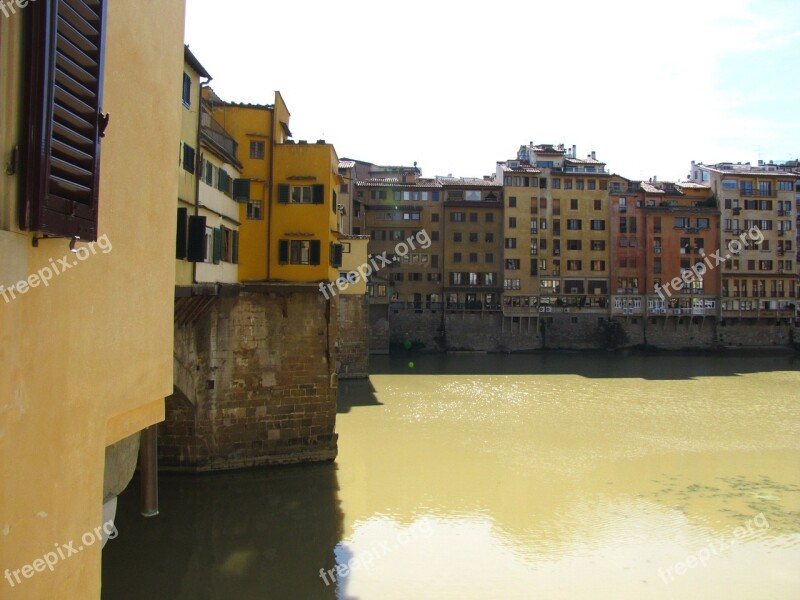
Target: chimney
[574,151]
[594,156]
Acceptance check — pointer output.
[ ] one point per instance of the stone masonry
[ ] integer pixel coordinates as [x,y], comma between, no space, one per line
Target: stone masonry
[254,382]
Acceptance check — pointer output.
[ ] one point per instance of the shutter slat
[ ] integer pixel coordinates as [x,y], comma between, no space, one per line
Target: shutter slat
[72,76]
[76,191]
[69,33]
[72,139]
[69,120]
[79,21]
[76,172]
[74,104]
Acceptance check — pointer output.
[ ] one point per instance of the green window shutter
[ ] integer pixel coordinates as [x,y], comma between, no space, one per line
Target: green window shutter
[181,239]
[314,252]
[283,193]
[318,196]
[217,245]
[283,251]
[336,255]
[224,182]
[188,158]
[241,190]
[197,239]
[209,173]
[333,204]
[235,259]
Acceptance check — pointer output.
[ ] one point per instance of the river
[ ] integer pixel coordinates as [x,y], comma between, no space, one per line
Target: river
[473,476]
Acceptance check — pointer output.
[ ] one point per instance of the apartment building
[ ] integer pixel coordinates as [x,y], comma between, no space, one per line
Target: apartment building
[563,201]
[661,230]
[757,204]
[393,210]
[472,229]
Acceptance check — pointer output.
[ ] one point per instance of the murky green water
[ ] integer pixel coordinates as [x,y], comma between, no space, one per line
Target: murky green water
[495,477]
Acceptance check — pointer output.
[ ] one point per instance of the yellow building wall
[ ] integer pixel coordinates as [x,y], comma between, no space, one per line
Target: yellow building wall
[87,360]
[246,124]
[305,164]
[353,262]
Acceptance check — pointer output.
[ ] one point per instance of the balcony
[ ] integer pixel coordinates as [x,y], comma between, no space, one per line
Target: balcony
[752,192]
[216,135]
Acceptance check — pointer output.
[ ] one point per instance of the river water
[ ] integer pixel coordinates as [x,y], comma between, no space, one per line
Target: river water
[472,476]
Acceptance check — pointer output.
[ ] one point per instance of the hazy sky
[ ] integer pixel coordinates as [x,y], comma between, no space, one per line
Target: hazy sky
[457,86]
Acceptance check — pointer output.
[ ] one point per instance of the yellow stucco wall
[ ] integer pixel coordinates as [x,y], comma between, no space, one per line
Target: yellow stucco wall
[246,124]
[87,360]
[305,164]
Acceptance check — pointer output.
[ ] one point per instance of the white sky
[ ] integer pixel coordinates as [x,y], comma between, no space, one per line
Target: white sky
[457,86]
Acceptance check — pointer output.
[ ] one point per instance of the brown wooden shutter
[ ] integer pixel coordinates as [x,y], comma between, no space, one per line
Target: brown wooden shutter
[63,125]
[318,194]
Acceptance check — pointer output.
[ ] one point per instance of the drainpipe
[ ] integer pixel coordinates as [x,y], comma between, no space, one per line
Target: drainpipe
[269,186]
[148,471]
[198,162]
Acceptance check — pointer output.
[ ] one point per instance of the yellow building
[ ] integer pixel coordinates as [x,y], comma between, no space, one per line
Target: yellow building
[87,272]
[292,221]
[557,231]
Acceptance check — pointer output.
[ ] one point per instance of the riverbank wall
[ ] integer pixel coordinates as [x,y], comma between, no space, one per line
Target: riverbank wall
[437,331]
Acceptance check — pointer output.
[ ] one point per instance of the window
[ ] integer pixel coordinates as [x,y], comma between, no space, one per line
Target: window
[473,237]
[598,265]
[457,257]
[457,236]
[785,186]
[435,218]
[336,252]
[573,244]
[579,184]
[182,238]
[435,261]
[681,222]
[188,158]
[511,243]
[187,90]
[434,236]
[512,222]
[702,223]
[598,245]
[729,184]
[598,225]
[568,184]
[209,173]
[301,194]
[512,264]
[573,265]
[598,204]
[257,149]
[488,258]
[591,184]
[435,196]
[488,238]
[299,252]
[254,210]
[473,217]
[556,183]
[344,188]
[489,217]
[512,202]
[574,224]
[573,204]
[458,217]
[378,194]
[473,257]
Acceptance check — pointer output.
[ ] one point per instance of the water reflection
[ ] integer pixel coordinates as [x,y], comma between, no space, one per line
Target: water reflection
[490,476]
[258,534]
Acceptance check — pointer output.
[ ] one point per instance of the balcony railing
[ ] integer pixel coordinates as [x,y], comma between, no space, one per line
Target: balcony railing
[758,193]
